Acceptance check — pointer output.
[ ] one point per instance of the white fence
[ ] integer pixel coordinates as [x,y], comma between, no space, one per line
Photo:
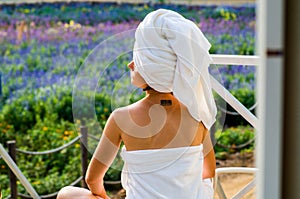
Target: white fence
[225,94]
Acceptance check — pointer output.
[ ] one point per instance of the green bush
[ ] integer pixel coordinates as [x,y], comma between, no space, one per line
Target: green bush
[246,97]
[232,138]
[42,120]
[47,173]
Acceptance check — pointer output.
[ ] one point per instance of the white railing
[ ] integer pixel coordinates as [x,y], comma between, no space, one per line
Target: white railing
[225,94]
[250,60]
[15,169]
[237,170]
[243,111]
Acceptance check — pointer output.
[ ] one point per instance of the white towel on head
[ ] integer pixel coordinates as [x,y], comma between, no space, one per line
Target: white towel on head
[171,54]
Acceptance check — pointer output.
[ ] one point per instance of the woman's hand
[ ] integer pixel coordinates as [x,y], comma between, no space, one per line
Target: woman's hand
[98,190]
[98,197]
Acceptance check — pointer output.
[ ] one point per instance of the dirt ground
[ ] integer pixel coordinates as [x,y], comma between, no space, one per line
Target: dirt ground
[231,183]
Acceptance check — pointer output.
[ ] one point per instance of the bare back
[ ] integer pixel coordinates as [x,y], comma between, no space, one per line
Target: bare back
[149,125]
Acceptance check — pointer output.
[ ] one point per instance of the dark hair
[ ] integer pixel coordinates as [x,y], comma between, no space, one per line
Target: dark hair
[147,88]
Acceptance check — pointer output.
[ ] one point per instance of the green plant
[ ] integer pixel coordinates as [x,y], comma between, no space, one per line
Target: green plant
[232,138]
[224,13]
[247,98]
[228,115]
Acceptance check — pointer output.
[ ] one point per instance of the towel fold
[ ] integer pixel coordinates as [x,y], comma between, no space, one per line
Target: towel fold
[164,173]
[151,160]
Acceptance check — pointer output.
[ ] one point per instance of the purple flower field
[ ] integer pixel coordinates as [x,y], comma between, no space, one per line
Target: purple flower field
[51,51]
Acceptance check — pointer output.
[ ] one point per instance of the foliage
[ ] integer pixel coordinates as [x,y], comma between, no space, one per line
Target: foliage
[234,137]
[228,115]
[48,172]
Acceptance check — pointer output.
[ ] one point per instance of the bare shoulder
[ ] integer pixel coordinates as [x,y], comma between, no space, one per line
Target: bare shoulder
[122,111]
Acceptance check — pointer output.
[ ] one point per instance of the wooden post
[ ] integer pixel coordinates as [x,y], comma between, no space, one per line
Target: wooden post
[12,178]
[84,153]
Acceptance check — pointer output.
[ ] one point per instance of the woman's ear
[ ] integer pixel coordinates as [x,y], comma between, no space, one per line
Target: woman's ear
[131,65]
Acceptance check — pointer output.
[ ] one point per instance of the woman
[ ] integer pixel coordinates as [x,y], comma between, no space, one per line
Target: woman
[167,150]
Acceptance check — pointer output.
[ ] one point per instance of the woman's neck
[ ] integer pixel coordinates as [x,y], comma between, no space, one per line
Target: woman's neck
[164,99]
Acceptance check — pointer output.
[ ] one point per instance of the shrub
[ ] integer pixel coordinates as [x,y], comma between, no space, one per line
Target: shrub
[232,138]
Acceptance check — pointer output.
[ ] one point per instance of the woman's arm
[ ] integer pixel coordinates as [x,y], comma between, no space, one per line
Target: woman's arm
[209,165]
[103,156]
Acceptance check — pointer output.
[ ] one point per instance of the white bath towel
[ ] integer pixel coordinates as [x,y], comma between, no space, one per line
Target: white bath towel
[171,54]
[172,173]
